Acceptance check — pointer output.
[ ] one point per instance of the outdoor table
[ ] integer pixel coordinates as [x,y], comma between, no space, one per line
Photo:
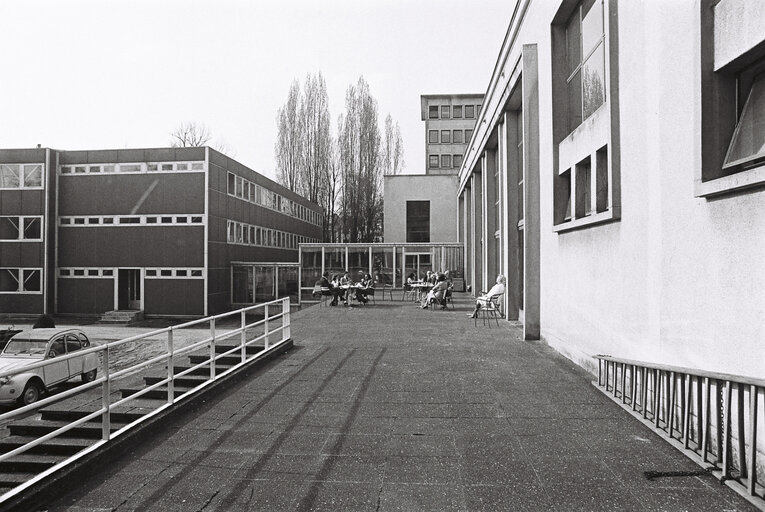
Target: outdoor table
[420,287]
[348,288]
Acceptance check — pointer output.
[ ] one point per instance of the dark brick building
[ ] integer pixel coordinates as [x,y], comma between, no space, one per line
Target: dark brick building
[157,230]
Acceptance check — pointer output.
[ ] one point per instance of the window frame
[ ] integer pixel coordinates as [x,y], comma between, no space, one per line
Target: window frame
[21,279]
[20,229]
[21,175]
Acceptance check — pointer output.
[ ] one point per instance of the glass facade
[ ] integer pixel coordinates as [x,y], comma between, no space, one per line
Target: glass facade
[390,263]
[257,283]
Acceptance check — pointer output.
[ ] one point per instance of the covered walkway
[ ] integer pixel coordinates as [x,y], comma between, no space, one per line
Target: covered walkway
[389,407]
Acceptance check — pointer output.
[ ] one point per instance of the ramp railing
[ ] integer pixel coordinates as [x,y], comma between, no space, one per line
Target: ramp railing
[715,418]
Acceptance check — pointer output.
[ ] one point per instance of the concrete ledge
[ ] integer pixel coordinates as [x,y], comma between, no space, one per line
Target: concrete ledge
[71,475]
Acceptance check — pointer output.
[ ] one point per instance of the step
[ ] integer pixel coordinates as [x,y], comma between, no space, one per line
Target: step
[116,416]
[155,394]
[10,480]
[55,446]
[226,361]
[185,381]
[29,463]
[38,428]
[251,349]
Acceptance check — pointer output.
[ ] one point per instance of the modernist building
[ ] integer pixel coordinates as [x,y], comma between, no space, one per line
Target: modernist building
[184,232]
[449,123]
[616,175]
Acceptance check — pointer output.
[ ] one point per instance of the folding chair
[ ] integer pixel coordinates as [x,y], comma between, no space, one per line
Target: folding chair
[448,298]
[488,310]
[411,292]
[387,288]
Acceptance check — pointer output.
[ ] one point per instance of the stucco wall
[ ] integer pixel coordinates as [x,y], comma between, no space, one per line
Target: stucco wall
[441,191]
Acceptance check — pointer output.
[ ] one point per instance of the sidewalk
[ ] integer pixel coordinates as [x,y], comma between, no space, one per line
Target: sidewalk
[388,408]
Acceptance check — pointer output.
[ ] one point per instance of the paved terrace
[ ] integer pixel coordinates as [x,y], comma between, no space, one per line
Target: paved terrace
[389,407]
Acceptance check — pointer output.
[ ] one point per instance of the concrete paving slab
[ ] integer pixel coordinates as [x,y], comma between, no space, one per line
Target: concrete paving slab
[395,408]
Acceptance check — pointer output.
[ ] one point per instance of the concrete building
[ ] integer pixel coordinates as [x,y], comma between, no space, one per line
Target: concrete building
[616,177]
[420,208]
[173,231]
[449,123]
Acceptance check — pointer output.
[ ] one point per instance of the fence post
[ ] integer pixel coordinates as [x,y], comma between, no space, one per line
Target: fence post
[286,319]
[106,420]
[243,337]
[170,368]
[212,348]
[752,439]
[265,338]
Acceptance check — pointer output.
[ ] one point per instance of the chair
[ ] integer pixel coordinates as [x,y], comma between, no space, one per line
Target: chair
[411,292]
[387,288]
[324,294]
[370,293]
[489,309]
[448,298]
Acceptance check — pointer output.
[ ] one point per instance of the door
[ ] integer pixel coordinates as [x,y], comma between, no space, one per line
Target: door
[419,263]
[56,372]
[73,345]
[129,289]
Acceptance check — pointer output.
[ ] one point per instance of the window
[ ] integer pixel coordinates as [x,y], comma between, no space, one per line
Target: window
[457,136]
[433,112]
[469,112]
[457,111]
[446,161]
[418,221]
[433,161]
[433,136]
[468,135]
[446,136]
[20,280]
[585,59]
[478,110]
[21,175]
[457,160]
[445,112]
[21,228]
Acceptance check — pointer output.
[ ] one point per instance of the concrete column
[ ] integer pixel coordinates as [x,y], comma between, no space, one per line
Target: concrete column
[508,143]
[490,266]
[531,269]
[467,248]
[477,231]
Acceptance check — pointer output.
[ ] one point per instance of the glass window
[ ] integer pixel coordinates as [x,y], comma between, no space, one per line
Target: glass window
[433,112]
[748,144]
[382,265]
[469,111]
[311,265]
[130,167]
[243,285]
[445,111]
[433,136]
[231,183]
[334,259]
[433,161]
[288,283]
[468,135]
[32,280]
[9,175]
[446,161]
[9,280]
[9,228]
[418,221]
[446,136]
[358,262]
[33,175]
[457,111]
[72,343]
[93,272]
[457,136]
[585,57]
[457,160]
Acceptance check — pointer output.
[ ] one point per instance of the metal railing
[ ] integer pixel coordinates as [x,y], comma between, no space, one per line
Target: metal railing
[276,320]
[714,418]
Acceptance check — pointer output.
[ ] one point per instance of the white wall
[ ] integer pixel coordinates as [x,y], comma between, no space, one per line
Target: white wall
[441,191]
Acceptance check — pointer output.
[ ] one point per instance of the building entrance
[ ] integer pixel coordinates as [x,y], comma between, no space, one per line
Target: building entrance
[129,289]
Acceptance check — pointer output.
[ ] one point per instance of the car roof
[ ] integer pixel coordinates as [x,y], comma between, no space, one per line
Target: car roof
[43,334]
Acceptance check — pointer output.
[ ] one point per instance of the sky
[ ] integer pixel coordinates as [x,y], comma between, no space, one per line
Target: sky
[124,74]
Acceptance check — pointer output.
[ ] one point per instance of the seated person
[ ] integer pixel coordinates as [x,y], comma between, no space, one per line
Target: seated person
[361,292]
[346,281]
[437,293]
[411,278]
[332,288]
[496,291]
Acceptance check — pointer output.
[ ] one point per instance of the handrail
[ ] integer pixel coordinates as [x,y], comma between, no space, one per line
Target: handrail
[279,311]
[712,417]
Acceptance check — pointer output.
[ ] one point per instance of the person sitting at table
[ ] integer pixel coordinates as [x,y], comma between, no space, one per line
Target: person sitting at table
[437,293]
[346,281]
[411,278]
[363,289]
[334,291]
[496,291]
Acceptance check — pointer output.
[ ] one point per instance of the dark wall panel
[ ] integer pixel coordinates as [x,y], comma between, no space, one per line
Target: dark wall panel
[85,296]
[132,155]
[21,303]
[174,297]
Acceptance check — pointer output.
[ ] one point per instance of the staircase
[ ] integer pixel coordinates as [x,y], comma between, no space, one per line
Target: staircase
[121,317]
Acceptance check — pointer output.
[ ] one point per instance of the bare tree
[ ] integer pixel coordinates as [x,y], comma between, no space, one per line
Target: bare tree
[190,135]
[392,148]
[288,145]
[315,136]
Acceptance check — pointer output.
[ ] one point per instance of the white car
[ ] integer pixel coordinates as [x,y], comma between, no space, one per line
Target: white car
[35,345]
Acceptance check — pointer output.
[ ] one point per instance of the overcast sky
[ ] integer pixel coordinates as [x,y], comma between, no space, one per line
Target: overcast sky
[114,74]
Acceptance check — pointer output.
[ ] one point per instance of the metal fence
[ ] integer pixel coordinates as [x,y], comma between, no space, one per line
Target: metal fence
[715,418]
[272,331]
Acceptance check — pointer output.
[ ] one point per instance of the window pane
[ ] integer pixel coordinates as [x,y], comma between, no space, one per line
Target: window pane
[592,25]
[749,138]
[446,136]
[418,221]
[433,136]
[594,82]
[445,112]
[9,176]
[575,101]
[457,160]
[9,228]
[457,136]
[468,135]
[130,167]
[9,280]
[446,161]
[433,161]
[32,229]
[469,111]
[31,280]
[573,42]
[242,285]
[433,112]
[457,112]
[33,175]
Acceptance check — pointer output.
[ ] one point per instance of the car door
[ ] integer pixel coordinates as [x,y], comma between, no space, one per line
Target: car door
[73,345]
[55,371]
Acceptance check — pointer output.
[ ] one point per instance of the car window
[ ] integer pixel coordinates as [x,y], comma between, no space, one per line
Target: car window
[84,340]
[72,343]
[58,347]
[25,347]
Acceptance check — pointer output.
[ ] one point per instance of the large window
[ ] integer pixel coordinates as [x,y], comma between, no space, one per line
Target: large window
[446,161]
[418,221]
[445,112]
[433,136]
[457,111]
[446,136]
[469,111]
[433,161]
[468,135]
[433,112]
[457,160]
[585,59]
[457,136]
[21,175]
[20,280]
[21,229]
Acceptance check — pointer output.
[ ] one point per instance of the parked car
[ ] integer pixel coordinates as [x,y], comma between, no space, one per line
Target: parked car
[34,345]
[7,334]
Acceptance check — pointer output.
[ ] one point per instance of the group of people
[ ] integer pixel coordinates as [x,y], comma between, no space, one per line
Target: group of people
[340,287]
[441,285]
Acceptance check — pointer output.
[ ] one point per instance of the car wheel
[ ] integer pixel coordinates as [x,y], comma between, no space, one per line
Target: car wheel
[89,376]
[31,394]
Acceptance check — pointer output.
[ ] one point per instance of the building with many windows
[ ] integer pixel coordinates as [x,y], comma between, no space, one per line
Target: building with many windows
[173,231]
[449,123]
[617,177]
